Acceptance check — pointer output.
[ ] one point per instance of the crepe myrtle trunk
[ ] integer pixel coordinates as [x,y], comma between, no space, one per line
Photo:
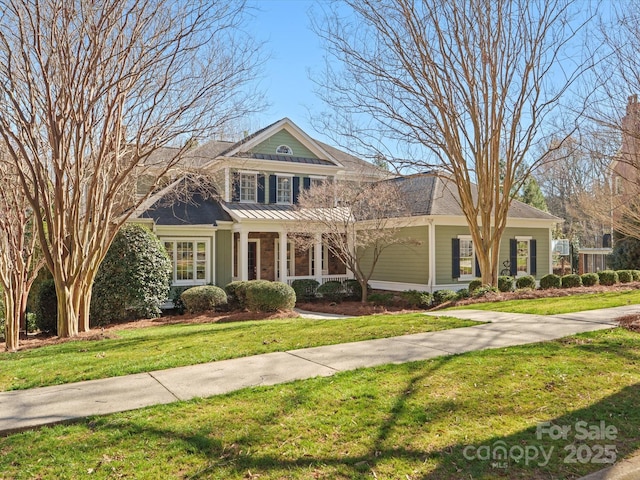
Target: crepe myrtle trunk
[15,305]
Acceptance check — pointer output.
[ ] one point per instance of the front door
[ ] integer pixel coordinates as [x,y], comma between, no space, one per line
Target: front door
[252,260]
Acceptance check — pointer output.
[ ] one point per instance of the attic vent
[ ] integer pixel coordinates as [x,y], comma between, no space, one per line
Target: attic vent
[284,150]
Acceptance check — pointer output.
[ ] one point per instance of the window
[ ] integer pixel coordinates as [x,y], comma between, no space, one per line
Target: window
[283,189]
[523,256]
[189,261]
[466,258]
[248,187]
[284,150]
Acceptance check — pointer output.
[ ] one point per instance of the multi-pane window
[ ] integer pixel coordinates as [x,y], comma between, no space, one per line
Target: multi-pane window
[466,258]
[248,187]
[189,260]
[283,190]
[522,257]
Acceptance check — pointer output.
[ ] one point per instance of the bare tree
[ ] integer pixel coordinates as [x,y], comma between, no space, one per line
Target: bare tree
[357,221]
[469,84]
[90,93]
[19,262]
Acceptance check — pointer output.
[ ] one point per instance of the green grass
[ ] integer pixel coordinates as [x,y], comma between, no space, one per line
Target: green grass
[410,421]
[559,305]
[168,346]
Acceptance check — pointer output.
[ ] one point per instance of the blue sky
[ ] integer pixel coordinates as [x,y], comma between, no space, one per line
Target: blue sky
[294,49]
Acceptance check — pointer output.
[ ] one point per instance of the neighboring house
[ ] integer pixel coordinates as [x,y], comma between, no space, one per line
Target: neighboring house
[236,227]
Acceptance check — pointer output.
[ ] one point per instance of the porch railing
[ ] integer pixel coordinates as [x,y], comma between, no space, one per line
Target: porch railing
[323,280]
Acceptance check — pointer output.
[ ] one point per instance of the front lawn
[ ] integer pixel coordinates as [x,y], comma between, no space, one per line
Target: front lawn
[434,419]
[558,305]
[156,348]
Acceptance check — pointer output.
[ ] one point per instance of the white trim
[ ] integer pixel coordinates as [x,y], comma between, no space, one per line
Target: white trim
[288,152]
[290,178]
[399,286]
[255,188]
[472,275]
[292,258]
[257,242]
[208,264]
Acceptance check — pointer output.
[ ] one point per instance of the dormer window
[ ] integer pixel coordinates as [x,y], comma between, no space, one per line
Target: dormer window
[284,150]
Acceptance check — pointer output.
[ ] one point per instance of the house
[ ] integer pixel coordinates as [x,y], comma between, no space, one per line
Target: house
[235,226]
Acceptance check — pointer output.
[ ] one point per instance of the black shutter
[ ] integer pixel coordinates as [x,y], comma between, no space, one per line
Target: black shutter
[513,256]
[235,187]
[533,258]
[306,183]
[273,185]
[455,258]
[260,188]
[478,272]
[296,189]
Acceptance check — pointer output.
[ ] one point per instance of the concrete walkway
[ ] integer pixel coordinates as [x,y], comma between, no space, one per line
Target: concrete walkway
[40,406]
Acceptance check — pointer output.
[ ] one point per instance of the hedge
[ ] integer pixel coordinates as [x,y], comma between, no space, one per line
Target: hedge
[625,276]
[332,291]
[505,283]
[608,277]
[474,284]
[306,289]
[442,296]
[550,281]
[589,279]
[265,296]
[204,298]
[237,294]
[417,299]
[47,308]
[571,281]
[526,281]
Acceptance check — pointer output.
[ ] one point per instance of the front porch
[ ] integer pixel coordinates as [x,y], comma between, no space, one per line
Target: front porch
[274,256]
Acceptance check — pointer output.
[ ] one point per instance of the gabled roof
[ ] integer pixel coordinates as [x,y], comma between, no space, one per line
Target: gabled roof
[431,194]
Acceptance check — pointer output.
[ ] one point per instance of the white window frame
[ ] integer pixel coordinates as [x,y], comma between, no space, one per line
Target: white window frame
[279,177]
[289,150]
[520,273]
[472,275]
[242,190]
[174,260]
[291,261]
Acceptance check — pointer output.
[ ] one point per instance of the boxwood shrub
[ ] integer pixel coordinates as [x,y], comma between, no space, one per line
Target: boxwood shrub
[204,298]
[384,298]
[417,299]
[305,288]
[505,283]
[442,296]
[265,296]
[352,289]
[550,281]
[473,284]
[462,294]
[571,281]
[636,275]
[526,281]
[590,279]
[625,276]
[133,279]
[237,294]
[608,277]
[332,291]
[483,290]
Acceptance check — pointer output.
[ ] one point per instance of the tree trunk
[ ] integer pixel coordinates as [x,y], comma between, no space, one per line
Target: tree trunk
[68,308]
[15,302]
[85,304]
[363,286]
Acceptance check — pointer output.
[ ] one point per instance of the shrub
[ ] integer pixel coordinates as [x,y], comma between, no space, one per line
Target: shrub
[47,307]
[526,281]
[417,299]
[550,281]
[608,277]
[133,279]
[571,281]
[505,283]
[383,299]
[462,294]
[625,254]
[484,290]
[442,296]
[174,296]
[636,275]
[332,291]
[204,298]
[264,296]
[589,279]
[237,294]
[305,289]
[352,289]
[473,284]
[625,276]
[31,322]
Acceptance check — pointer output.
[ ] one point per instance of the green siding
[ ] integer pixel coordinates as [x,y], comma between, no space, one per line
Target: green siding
[223,257]
[283,137]
[444,234]
[405,263]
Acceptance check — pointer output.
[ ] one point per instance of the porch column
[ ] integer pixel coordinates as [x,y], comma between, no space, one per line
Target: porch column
[243,251]
[317,257]
[283,256]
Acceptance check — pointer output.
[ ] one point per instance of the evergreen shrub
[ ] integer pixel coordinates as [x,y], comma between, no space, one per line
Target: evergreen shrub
[204,298]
